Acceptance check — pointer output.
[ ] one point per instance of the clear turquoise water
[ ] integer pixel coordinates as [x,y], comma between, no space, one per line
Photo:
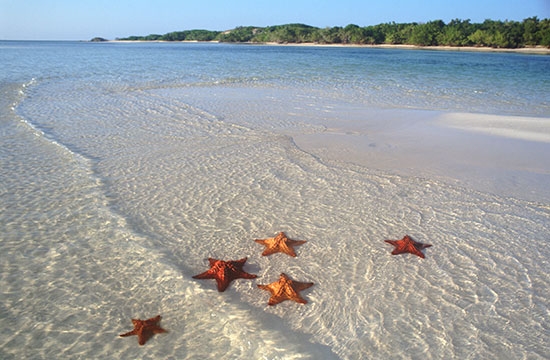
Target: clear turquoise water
[125,166]
[499,83]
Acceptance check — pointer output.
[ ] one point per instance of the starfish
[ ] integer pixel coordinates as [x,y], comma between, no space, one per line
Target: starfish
[285,289]
[407,245]
[279,243]
[144,329]
[225,271]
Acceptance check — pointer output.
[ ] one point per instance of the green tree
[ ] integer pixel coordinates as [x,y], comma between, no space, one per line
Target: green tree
[508,34]
[456,33]
[387,32]
[544,33]
[373,35]
[330,35]
[174,36]
[427,34]
[514,32]
[152,37]
[398,33]
[201,35]
[239,34]
[479,38]
[350,34]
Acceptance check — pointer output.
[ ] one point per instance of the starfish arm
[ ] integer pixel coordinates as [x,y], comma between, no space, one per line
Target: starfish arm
[280,243]
[143,337]
[299,286]
[237,272]
[417,253]
[291,294]
[297,298]
[287,249]
[274,300]
[269,288]
[245,275]
[223,283]
[152,321]
[159,330]
[129,333]
[269,250]
[205,275]
[240,262]
[416,249]
[398,251]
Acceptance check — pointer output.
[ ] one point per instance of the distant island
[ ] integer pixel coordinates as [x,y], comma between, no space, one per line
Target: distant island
[531,32]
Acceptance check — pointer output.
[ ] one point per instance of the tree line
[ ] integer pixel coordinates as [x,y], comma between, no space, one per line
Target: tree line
[490,33]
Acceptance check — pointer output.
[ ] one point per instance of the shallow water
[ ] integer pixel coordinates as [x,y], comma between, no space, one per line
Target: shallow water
[120,179]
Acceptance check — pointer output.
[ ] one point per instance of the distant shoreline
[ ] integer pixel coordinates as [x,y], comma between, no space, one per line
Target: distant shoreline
[525,50]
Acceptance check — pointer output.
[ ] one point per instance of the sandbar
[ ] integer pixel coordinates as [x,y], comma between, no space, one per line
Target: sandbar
[516,127]
[504,155]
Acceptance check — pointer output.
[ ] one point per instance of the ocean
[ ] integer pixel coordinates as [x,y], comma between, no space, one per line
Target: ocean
[125,166]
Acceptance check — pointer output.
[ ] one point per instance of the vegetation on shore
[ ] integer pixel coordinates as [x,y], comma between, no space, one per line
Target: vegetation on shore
[496,34]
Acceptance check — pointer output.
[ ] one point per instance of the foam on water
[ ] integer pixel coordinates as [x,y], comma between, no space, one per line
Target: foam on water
[170,184]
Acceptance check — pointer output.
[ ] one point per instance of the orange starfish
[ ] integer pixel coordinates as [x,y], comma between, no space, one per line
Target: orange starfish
[407,245]
[279,243]
[285,289]
[144,329]
[225,271]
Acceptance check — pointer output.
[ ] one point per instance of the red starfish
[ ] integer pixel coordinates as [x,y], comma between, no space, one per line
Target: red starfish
[407,245]
[144,329]
[225,271]
[279,243]
[285,289]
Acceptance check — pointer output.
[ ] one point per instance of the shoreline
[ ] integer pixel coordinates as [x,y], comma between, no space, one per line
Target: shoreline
[526,50]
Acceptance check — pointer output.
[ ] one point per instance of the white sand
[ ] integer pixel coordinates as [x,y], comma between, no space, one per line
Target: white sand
[526,50]
[516,127]
[505,155]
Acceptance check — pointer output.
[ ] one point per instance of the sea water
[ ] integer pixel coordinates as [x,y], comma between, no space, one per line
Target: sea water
[125,166]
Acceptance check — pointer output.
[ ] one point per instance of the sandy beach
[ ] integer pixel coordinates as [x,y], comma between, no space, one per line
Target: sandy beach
[527,50]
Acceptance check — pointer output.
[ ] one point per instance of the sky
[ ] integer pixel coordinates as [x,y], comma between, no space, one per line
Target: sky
[111,19]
